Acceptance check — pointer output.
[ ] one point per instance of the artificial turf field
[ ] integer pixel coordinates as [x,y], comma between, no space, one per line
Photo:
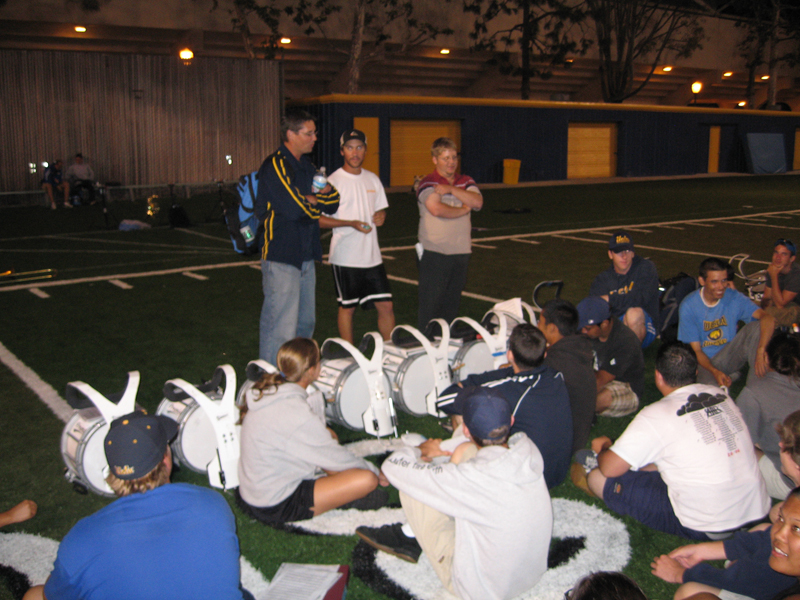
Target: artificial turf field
[82,325]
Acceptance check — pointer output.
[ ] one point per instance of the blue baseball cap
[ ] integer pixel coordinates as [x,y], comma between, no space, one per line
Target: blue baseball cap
[484,411]
[592,311]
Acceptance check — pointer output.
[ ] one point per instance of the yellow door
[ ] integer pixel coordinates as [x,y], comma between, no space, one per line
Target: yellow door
[411,147]
[796,161]
[591,150]
[713,148]
[370,127]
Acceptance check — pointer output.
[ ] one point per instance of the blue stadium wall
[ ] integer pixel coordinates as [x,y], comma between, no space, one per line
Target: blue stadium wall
[652,140]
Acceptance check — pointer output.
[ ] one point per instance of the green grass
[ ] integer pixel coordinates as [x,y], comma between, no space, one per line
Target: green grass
[171,326]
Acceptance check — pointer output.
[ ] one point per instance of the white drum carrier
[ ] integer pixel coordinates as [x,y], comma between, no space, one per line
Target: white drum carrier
[418,368]
[207,434]
[477,348]
[358,391]
[83,436]
[256,368]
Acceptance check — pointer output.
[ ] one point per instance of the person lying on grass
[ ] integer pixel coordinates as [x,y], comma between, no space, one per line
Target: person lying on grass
[284,445]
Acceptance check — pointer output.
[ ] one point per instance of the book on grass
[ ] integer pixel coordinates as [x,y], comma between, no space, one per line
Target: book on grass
[295,581]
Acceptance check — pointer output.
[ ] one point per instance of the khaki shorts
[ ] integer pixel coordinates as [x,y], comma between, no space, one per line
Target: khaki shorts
[624,400]
[786,316]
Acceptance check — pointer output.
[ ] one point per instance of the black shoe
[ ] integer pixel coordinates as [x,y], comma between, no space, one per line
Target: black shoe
[391,539]
[376,499]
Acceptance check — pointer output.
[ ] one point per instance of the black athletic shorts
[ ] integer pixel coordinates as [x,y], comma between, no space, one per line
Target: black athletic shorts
[297,507]
[363,287]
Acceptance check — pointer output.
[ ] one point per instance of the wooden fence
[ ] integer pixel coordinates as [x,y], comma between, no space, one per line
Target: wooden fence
[137,119]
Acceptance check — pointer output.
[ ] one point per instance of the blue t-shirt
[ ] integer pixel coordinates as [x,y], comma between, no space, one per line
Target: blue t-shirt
[713,326]
[177,541]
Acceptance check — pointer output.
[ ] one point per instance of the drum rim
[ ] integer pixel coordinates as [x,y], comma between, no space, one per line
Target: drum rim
[333,409]
[77,469]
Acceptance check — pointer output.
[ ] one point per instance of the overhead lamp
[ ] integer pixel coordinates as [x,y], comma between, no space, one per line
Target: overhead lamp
[80,28]
[286,40]
[764,77]
[186,56]
[696,87]
[444,51]
[727,73]
[666,69]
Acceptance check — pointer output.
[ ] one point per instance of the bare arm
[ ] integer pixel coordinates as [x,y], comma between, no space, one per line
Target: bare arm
[326,222]
[379,218]
[767,323]
[472,199]
[722,379]
[434,205]
[19,513]
[603,379]
[780,298]
[611,465]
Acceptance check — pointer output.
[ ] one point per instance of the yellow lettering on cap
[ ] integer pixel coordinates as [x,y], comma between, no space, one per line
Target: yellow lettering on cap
[126,470]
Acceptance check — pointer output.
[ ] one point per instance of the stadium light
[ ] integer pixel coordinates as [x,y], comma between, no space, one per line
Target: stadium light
[666,69]
[444,51]
[80,28]
[696,87]
[727,74]
[286,40]
[186,56]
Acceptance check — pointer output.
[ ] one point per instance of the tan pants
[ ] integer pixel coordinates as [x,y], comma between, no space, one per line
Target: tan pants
[436,533]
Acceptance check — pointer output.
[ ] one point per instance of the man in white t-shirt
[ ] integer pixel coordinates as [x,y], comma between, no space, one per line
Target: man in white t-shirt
[686,464]
[358,270]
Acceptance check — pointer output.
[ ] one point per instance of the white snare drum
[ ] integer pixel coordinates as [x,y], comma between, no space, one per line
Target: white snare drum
[196,443]
[82,450]
[345,388]
[469,358]
[412,378]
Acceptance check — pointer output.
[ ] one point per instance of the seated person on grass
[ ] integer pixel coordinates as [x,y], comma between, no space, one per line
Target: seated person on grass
[767,401]
[53,181]
[605,585]
[158,539]
[780,551]
[630,286]
[570,354]
[708,320]
[783,284]
[619,362]
[749,576]
[484,519]
[283,443]
[536,395]
[686,464]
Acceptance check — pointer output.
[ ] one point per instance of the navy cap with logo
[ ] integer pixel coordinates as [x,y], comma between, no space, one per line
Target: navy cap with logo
[592,311]
[620,241]
[352,134]
[484,411]
[136,443]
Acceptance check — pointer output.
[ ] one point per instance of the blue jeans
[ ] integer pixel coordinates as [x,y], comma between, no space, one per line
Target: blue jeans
[289,306]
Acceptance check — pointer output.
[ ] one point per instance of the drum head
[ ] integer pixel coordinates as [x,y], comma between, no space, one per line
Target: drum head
[473,358]
[82,449]
[351,395]
[413,381]
[196,443]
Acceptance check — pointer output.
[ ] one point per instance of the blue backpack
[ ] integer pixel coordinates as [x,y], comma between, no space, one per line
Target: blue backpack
[243,225]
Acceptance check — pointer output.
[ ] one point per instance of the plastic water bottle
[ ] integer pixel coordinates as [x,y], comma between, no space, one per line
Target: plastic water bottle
[320,181]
